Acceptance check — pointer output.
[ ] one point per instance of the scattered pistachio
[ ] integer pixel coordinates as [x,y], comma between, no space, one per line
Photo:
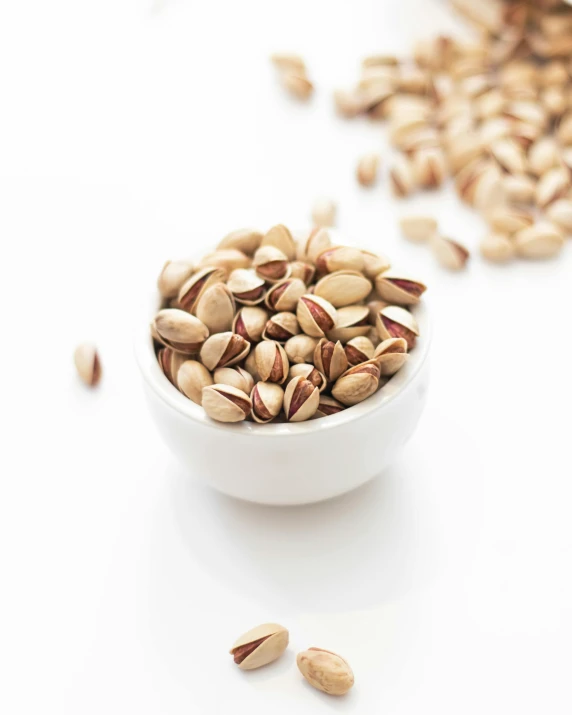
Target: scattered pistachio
[298,85]
[325,671]
[449,253]
[367,168]
[87,364]
[497,248]
[324,212]
[418,228]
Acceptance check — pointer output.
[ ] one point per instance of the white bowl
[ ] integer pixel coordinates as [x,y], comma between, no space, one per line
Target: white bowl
[285,464]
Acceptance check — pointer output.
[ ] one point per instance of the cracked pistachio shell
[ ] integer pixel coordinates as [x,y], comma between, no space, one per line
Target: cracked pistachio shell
[250,366]
[246,287]
[390,356]
[374,264]
[311,247]
[172,277]
[330,359]
[250,322]
[301,399]
[315,315]
[280,237]
[224,350]
[271,264]
[197,284]
[343,288]
[449,253]
[340,258]
[246,240]
[267,399]
[87,364]
[260,646]
[225,403]
[328,406]
[271,361]
[226,258]
[285,295]
[310,373]
[170,361]
[192,377]
[325,671]
[179,330]
[281,327]
[235,376]
[351,321]
[396,288]
[357,384]
[542,240]
[300,348]
[302,270]
[359,350]
[216,308]
[397,322]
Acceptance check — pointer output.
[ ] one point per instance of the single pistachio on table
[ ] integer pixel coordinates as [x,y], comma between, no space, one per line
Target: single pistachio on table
[351,321]
[367,168]
[267,399]
[284,296]
[330,359]
[397,322]
[418,228]
[260,646]
[88,364]
[301,399]
[449,253]
[328,406]
[224,350]
[271,264]
[170,361]
[390,356]
[179,330]
[281,238]
[373,264]
[300,348]
[340,258]
[281,327]
[250,322]
[343,287]
[235,376]
[542,240]
[192,377]
[358,350]
[225,403]
[310,373]
[271,361]
[397,289]
[193,288]
[172,277]
[246,287]
[317,241]
[325,671]
[226,258]
[302,270]
[216,308]
[324,212]
[246,240]
[316,315]
[497,248]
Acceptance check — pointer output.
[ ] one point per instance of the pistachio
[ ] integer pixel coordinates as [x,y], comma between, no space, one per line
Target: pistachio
[509,155]
[564,131]
[298,85]
[509,219]
[390,356]
[330,359]
[225,403]
[226,258]
[193,288]
[449,253]
[340,258]
[348,104]
[179,330]
[542,240]
[429,168]
[250,366]
[418,228]
[235,376]
[172,277]
[310,373]
[555,101]
[359,350]
[250,322]
[271,264]
[301,399]
[401,177]
[396,322]
[328,406]
[357,384]
[399,289]
[317,241]
[374,264]
[560,213]
[281,327]
[224,350]
[497,248]
[520,188]
[324,212]
[285,295]
[215,308]
[286,61]
[344,287]
[192,377]
[302,270]
[554,73]
[267,399]
[170,361]
[374,306]
[246,240]
[88,364]
[300,348]
[367,168]
[377,60]
[351,321]
[553,185]
[246,287]
[271,362]
[315,315]
[280,237]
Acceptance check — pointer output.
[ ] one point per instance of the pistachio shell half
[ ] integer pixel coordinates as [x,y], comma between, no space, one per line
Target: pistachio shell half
[359,349]
[390,356]
[397,322]
[281,327]
[260,646]
[271,264]
[343,288]
[280,237]
[87,364]
[398,289]
[192,377]
[246,287]
[225,403]
[351,321]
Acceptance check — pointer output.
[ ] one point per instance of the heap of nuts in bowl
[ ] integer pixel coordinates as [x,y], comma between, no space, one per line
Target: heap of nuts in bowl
[270,328]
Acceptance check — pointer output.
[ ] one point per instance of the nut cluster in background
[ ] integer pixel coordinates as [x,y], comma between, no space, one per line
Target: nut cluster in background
[269,328]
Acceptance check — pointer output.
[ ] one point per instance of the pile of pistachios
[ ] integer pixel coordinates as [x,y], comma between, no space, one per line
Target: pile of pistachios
[273,328]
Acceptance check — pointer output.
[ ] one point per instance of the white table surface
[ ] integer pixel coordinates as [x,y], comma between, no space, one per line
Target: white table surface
[131,133]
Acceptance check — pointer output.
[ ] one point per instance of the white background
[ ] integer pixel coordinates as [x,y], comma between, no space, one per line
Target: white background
[131,133]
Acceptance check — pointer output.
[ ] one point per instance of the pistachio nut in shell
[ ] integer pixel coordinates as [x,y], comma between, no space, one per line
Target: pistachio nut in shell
[302,270]
[180,330]
[271,264]
[519,189]
[373,264]
[301,399]
[87,364]
[449,253]
[170,361]
[226,258]
[300,348]
[216,308]
[225,403]
[260,646]
[172,277]
[357,384]
[250,366]
[267,399]
[317,241]
[552,185]
[343,288]
[358,350]
[328,406]
[560,213]
[324,212]
[197,284]
[192,377]
[271,361]
[224,350]
[246,287]
[510,219]
[366,170]
[542,240]
[374,306]
[395,288]
[351,321]
[390,356]
[340,258]
[235,376]
[315,315]
[250,322]
[497,248]
[281,327]
[285,295]
[246,240]
[280,237]
[310,373]
[330,359]
[397,322]
[325,671]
